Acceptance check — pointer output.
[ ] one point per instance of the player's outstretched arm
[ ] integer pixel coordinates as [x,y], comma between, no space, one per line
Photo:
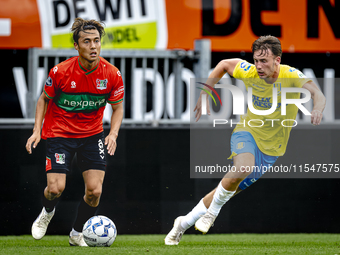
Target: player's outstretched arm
[224,66]
[116,121]
[39,117]
[319,102]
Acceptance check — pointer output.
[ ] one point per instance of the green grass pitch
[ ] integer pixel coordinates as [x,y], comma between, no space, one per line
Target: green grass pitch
[190,244]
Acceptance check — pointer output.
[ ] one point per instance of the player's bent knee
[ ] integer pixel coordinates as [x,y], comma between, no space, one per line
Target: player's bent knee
[55,191]
[97,193]
[92,198]
[244,169]
[94,193]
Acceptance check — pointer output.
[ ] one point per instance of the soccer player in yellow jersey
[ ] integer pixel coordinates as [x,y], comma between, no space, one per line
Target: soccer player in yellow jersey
[251,146]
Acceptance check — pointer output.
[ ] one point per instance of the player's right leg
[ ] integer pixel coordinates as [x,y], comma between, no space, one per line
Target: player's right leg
[91,160]
[55,187]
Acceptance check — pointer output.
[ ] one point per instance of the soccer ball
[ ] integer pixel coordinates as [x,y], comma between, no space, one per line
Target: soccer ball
[99,231]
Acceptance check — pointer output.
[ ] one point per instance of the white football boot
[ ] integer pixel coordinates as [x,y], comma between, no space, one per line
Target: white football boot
[204,223]
[40,225]
[77,240]
[176,233]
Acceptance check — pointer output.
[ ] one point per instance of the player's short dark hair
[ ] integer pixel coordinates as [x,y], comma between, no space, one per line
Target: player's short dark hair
[80,24]
[267,42]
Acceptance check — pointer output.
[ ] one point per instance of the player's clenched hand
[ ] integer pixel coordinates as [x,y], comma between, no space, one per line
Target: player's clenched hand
[111,143]
[316,117]
[33,140]
[198,107]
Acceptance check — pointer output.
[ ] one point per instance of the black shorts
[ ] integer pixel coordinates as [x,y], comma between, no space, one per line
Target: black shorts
[90,153]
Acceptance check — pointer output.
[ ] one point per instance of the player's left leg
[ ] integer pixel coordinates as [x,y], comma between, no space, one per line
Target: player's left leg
[88,205]
[183,223]
[92,162]
[257,161]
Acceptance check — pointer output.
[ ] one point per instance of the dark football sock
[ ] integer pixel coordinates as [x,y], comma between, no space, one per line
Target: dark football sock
[49,204]
[85,212]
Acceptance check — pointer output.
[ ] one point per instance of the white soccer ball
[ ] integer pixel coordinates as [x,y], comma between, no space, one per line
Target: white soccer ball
[99,231]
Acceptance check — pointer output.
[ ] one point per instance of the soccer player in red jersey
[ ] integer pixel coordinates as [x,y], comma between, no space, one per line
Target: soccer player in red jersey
[72,106]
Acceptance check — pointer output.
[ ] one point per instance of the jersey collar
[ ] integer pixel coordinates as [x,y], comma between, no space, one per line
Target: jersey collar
[88,71]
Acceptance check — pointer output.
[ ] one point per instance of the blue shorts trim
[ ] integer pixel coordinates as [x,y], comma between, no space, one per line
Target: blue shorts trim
[242,142]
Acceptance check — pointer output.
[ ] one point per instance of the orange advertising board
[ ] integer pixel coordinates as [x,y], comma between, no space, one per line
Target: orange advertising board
[310,26]
[301,25]
[20,24]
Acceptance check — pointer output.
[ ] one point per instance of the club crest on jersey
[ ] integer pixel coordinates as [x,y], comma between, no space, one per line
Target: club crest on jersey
[60,158]
[101,84]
